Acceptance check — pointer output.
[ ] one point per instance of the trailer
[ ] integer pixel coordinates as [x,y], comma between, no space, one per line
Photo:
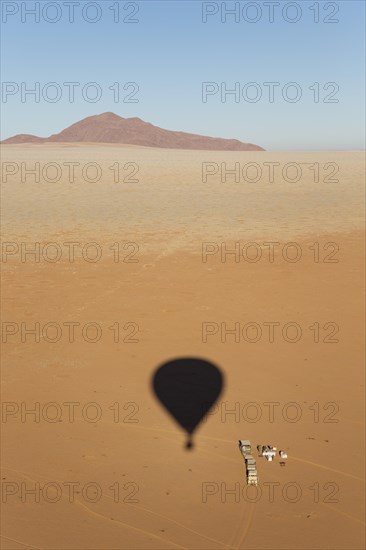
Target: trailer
[252,480]
[245,446]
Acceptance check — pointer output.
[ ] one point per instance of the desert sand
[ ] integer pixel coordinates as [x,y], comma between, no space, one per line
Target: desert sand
[169,497]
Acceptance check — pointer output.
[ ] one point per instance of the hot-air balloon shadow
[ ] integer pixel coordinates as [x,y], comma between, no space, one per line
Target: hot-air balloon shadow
[188,387]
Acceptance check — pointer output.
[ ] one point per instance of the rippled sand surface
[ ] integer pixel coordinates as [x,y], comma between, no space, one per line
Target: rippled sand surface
[171,498]
[169,200]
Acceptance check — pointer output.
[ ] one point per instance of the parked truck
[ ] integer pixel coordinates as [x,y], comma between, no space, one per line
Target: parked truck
[252,478]
[245,446]
[250,463]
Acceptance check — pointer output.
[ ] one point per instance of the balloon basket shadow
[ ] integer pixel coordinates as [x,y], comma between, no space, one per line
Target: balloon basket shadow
[189,444]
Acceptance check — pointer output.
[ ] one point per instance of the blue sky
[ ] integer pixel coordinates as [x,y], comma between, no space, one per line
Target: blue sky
[170,52]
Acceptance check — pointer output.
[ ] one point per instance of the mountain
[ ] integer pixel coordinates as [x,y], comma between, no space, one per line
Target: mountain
[111,128]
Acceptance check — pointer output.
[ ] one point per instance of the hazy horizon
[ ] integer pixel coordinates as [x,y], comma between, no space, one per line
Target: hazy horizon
[172,130]
[196,85]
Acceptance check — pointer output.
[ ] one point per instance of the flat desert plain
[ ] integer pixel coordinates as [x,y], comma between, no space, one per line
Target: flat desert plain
[100,464]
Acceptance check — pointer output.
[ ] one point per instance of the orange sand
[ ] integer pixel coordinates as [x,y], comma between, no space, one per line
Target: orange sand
[168,294]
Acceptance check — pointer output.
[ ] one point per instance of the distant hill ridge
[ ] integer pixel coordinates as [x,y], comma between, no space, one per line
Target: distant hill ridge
[111,128]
